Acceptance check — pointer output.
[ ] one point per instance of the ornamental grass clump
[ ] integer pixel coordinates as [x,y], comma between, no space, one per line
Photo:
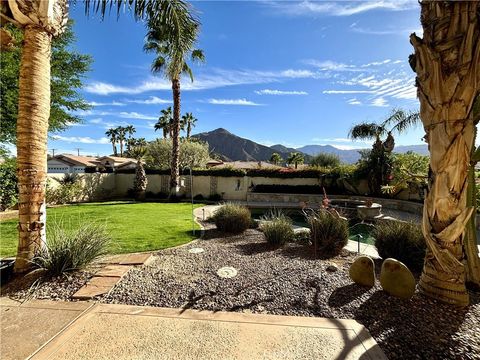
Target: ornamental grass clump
[402,241]
[277,228]
[232,218]
[71,248]
[328,232]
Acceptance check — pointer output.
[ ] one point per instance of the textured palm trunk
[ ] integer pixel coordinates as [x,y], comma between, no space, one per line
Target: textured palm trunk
[447,63]
[114,149]
[32,128]
[189,129]
[174,168]
[140,183]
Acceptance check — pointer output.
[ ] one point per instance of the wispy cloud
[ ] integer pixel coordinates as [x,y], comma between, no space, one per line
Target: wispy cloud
[152,100]
[339,140]
[380,102]
[279,92]
[241,102]
[80,139]
[216,78]
[354,101]
[113,103]
[347,92]
[339,8]
[136,115]
[328,65]
[387,31]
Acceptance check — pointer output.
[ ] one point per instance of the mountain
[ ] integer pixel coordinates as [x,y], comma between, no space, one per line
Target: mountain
[283,149]
[234,148]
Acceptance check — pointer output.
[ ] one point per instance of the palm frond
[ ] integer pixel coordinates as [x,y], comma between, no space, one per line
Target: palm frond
[158,64]
[366,131]
[198,55]
[187,70]
[401,120]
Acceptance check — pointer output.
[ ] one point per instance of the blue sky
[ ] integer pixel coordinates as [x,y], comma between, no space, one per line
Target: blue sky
[288,72]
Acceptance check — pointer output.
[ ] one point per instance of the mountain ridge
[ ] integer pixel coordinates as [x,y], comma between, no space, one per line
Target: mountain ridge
[231,147]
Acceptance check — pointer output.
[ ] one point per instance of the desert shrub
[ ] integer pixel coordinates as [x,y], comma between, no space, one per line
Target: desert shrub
[328,233]
[198,197]
[287,189]
[72,248]
[254,224]
[302,237]
[325,160]
[160,195]
[232,218]
[402,241]
[277,228]
[8,184]
[68,190]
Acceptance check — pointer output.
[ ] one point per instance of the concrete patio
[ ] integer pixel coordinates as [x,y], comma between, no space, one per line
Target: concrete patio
[85,330]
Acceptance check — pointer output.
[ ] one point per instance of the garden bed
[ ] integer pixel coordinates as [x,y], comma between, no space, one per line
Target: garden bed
[288,281]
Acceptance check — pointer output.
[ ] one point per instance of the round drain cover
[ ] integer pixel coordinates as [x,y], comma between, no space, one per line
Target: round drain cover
[227,272]
[196,250]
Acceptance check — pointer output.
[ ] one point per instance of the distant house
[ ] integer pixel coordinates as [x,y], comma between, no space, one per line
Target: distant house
[73,164]
[116,162]
[70,164]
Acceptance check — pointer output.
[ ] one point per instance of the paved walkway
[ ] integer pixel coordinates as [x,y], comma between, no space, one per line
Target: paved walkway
[102,331]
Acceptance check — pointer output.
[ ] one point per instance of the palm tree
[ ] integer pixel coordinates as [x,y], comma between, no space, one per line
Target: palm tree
[130,130]
[140,181]
[172,51]
[165,122]
[121,137]
[189,122]
[379,160]
[41,20]
[276,158]
[295,158]
[112,135]
[447,64]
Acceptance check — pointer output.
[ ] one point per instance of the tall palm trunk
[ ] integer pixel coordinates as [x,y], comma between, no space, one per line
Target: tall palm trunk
[447,63]
[174,168]
[189,129]
[32,128]
[114,148]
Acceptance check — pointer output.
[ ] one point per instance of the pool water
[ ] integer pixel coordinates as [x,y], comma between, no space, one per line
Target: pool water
[357,231]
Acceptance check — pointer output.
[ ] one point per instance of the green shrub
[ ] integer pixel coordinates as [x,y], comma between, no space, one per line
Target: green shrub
[68,190]
[232,218]
[198,197]
[215,197]
[72,248]
[277,228]
[328,233]
[302,237]
[402,241]
[325,160]
[8,184]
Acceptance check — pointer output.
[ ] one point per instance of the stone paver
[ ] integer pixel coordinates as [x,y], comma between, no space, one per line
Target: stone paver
[113,270]
[135,259]
[24,327]
[98,285]
[109,331]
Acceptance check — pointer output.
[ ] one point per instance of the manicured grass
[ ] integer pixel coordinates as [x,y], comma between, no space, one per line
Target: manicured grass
[132,226]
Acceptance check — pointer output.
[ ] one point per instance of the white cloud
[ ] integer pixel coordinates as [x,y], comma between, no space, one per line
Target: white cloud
[339,140]
[241,102]
[354,101]
[136,115]
[152,100]
[113,103]
[328,65]
[217,78]
[380,102]
[81,139]
[388,31]
[279,92]
[340,8]
[347,92]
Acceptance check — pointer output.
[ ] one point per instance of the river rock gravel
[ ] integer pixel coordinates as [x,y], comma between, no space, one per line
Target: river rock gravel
[289,281]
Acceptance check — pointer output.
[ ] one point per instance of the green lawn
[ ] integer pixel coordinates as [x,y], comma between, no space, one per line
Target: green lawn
[132,226]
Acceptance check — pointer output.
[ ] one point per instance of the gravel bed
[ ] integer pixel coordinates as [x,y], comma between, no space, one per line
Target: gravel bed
[34,286]
[288,281]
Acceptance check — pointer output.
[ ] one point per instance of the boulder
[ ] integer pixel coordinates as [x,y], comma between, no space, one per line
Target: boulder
[362,271]
[396,279]
[331,267]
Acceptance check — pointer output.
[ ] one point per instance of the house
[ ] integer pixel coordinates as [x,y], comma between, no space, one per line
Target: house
[70,164]
[116,162]
[74,164]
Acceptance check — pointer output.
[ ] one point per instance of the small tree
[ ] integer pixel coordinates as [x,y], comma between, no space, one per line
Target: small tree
[140,182]
[164,122]
[326,160]
[276,158]
[188,122]
[295,158]
[192,153]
